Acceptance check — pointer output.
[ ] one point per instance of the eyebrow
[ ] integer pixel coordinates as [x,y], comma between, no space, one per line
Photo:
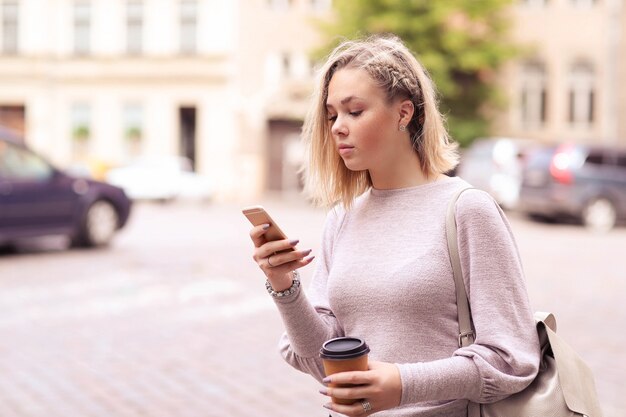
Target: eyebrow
[345,100]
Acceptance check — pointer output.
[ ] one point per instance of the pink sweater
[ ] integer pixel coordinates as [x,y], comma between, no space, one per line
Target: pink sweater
[384,275]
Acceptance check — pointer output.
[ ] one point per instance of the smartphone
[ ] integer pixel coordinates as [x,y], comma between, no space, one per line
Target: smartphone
[257,216]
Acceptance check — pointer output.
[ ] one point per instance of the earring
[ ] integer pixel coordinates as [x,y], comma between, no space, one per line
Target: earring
[402,128]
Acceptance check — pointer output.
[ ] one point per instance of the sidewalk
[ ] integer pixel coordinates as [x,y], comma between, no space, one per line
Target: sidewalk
[174,320]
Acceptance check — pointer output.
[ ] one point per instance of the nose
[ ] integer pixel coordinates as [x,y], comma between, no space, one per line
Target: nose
[339,128]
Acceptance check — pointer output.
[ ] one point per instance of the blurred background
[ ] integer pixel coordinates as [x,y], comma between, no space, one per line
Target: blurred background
[139,128]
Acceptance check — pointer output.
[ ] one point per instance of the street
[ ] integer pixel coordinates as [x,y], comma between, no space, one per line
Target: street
[173,319]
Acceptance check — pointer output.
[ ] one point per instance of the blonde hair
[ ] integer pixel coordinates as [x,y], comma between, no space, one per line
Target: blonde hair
[393,68]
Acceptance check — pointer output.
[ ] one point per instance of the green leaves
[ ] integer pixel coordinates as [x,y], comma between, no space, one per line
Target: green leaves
[458,41]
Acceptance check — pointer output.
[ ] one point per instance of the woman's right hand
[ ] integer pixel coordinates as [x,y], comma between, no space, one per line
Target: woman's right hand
[276,258]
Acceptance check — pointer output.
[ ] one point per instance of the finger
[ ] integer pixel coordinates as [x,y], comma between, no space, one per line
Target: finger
[279,259]
[275,246]
[284,268]
[348,393]
[351,377]
[355,409]
[292,266]
[257,234]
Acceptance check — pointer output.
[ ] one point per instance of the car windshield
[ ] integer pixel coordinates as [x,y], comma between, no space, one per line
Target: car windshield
[19,164]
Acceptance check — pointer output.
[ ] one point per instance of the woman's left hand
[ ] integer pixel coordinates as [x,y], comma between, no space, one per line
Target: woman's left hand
[380,386]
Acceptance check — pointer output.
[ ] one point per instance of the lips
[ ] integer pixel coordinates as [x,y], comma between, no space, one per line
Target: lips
[345,149]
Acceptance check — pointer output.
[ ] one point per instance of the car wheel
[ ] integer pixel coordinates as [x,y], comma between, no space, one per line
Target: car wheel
[599,215]
[99,225]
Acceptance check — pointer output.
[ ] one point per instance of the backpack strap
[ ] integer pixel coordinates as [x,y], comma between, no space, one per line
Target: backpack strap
[466,331]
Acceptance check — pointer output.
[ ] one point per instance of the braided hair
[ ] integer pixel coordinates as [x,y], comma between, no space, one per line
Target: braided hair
[399,74]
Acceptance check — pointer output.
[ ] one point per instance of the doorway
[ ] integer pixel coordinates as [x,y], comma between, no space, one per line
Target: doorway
[187,133]
[13,117]
[284,156]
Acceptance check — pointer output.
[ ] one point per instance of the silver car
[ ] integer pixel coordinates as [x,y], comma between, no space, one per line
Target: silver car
[495,165]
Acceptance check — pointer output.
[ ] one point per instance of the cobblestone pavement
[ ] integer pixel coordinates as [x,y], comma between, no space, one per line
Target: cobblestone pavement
[173,319]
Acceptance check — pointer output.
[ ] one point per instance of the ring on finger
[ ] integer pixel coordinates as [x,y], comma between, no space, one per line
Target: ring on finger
[367,407]
[269,263]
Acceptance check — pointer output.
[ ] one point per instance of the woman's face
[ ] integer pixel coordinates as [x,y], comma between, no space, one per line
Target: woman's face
[363,123]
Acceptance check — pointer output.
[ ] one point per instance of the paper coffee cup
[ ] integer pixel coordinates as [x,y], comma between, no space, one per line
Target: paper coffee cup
[344,354]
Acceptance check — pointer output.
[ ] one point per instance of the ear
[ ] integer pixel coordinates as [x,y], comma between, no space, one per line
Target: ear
[405,111]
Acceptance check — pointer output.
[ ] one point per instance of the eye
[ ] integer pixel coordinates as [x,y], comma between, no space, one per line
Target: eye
[356,113]
[332,118]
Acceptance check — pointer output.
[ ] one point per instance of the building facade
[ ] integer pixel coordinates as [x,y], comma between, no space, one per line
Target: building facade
[226,83]
[96,83]
[568,85]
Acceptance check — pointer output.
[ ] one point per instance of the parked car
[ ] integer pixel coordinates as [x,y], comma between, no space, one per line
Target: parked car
[162,178]
[583,182]
[37,199]
[495,165]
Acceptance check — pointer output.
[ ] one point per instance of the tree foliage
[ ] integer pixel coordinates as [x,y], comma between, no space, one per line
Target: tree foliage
[462,43]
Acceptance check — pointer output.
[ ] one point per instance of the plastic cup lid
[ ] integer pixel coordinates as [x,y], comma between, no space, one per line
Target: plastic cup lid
[344,348]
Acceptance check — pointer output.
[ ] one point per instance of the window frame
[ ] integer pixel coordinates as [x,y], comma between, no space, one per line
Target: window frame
[82,15]
[10,27]
[534,95]
[188,27]
[134,26]
[581,95]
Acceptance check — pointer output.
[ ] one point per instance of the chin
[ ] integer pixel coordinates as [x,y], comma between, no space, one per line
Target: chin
[354,167]
[351,165]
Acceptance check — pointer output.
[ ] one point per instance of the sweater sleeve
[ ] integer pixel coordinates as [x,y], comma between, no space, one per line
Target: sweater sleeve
[506,350]
[505,356]
[307,318]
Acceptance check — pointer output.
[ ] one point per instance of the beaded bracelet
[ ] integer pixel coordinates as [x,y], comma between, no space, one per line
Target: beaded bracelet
[295,284]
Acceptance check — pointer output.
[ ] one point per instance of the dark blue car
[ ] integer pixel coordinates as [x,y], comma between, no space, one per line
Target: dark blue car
[584,182]
[36,199]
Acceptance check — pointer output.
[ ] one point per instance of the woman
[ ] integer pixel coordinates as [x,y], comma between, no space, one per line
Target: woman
[378,154]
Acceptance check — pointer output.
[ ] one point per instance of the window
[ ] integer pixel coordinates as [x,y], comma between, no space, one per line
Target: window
[82,27]
[133,127]
[595,158]
[301,67]
[587,4]
[274,66]
[133,119]
[533,95]
[581,94]
[280,5]
[134,27]
[320,5]
[188,26]
[20,164]
[286,64]
[9,27]
[81,122]
[534,3]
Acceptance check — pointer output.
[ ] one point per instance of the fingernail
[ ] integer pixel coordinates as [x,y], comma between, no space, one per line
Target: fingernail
[306,252]
[326,380]
[323,391]
[309,259]
[294,242]
[266,226]
[328,406]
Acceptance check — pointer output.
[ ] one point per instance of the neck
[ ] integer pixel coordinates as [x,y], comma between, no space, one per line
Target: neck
[402,174]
